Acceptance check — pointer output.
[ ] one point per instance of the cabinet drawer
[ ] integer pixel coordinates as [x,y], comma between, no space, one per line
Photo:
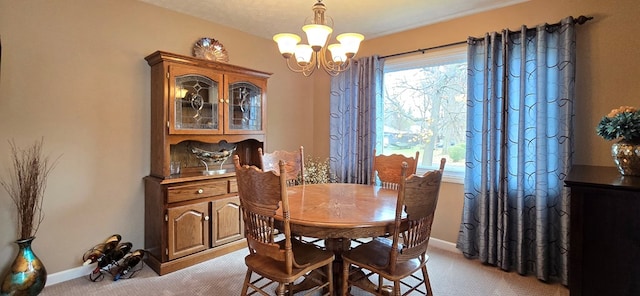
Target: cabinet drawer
[233,186]
[197,190]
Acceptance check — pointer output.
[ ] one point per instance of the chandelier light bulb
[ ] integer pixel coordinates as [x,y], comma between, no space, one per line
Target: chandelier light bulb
[337,53]
[317,35]
[350,42]
[303,54]
[286,43]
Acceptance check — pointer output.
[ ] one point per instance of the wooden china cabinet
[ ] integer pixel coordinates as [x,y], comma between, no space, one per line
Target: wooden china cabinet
[194,215]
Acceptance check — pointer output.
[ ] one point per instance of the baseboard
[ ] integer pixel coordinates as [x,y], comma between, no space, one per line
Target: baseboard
[81,271]
[444,245]
[69,274]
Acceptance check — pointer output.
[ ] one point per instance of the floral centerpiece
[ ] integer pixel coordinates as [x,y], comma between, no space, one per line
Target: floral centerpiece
[318,171]
[623,123]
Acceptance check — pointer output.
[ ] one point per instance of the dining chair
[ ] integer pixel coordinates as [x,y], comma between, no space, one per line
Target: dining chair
[287,260]
[401,255]
[387,168]
[294,164]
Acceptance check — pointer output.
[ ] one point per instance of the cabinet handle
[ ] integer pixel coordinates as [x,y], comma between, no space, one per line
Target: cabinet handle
[226,101]
[221,101]
[206,218]
[200,191]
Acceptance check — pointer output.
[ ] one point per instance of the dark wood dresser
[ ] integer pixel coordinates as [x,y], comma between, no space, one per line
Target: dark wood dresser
[605,232]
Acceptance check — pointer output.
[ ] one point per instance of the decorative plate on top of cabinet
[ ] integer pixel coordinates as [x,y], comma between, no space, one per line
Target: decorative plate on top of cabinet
[210,49]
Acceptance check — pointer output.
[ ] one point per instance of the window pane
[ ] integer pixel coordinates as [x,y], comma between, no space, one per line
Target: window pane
[425,110]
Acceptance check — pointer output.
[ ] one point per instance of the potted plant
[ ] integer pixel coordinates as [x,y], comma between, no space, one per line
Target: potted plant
[623,123]
[26,185]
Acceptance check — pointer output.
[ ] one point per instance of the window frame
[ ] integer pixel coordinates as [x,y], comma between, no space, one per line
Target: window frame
[432,58]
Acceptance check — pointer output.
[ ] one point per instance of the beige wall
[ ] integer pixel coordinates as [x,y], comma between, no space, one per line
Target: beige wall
[74,73]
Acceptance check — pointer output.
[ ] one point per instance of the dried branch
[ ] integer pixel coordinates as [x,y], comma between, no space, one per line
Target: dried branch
[26,185]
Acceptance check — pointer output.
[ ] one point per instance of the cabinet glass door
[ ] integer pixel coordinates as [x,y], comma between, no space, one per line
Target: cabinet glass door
[195,107]
[245,107]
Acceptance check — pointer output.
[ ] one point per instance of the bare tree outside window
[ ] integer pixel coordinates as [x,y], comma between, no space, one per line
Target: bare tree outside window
[425,110]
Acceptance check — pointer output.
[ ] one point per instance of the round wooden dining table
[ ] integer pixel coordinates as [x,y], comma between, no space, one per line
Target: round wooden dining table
[339,210]
[338,213]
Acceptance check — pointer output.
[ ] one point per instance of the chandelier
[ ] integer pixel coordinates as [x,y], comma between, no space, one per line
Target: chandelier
[305,58]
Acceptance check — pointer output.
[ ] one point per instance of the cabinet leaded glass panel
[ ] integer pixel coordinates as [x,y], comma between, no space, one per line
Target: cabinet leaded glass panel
[196,102]
[245,106]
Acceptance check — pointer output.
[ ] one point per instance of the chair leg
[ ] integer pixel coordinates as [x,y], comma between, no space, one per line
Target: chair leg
[281,289]
[396,288]
[345,278]
[289,289]
[247,280]
[330,277]
[427,283]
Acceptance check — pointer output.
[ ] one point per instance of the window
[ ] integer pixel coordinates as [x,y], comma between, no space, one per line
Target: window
[424,109]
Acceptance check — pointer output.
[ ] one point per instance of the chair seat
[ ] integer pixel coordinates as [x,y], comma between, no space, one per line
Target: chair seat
[303,253]
[374,256]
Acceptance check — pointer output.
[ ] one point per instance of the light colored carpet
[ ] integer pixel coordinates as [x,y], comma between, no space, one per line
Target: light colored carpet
[450,273]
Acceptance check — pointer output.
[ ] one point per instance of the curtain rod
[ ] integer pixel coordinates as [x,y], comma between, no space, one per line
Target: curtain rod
[579,20]
[422,50]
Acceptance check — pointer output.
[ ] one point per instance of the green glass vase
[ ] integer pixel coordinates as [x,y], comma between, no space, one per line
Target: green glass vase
[27,275]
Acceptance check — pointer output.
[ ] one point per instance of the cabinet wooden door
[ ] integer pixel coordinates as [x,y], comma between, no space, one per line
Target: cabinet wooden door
[188,229]
[195,100]
[245,110]
[227,221]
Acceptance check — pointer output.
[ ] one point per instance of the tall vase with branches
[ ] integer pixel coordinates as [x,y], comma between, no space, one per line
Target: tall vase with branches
[26,185]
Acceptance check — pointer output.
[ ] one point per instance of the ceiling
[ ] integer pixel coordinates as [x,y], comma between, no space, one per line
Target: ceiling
[372,18]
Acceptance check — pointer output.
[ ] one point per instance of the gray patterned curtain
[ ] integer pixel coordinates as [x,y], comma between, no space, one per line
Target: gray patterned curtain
[356,99]
[519,148]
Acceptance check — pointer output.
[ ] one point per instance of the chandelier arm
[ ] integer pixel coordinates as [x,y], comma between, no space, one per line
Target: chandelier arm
[313,64]
[329,66]
[305,70]
[336,71]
